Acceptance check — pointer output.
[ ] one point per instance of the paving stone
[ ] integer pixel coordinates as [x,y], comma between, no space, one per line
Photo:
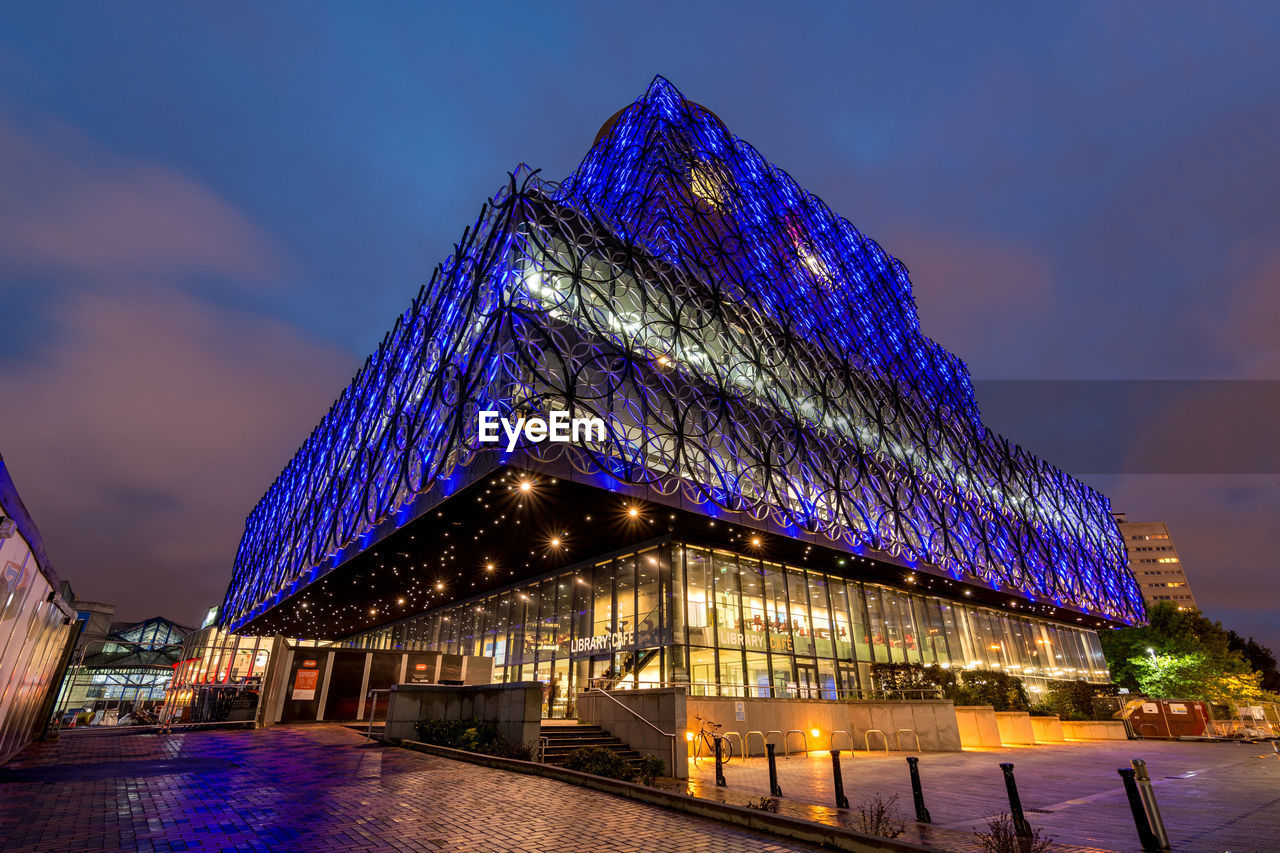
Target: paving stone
[1213,796]
[315,788]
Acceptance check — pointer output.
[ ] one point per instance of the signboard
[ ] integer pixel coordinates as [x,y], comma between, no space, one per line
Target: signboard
[305,683]
[603,642]
[1150,708]
[421,668]
[740,711]
[1175,708]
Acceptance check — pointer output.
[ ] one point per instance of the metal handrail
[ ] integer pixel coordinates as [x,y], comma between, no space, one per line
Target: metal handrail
[866,740]
[897,736]
[846,734]
[803,737]
[746,751]
[541,755]
[373,710]
[648,723]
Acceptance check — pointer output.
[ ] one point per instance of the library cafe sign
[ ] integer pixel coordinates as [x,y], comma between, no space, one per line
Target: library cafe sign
[603,642]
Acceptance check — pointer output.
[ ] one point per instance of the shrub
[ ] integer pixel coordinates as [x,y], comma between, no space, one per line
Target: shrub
[904,680]
[878,816]
[1001,837]
[472,736]
[764,804]
[651,767]
[598,761]
[1002,691]
[1076,700]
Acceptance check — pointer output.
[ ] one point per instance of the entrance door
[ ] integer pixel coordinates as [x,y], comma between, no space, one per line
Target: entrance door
[848,681]
[807,681]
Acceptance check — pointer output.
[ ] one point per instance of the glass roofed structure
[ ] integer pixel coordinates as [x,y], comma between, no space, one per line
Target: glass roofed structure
[791,481]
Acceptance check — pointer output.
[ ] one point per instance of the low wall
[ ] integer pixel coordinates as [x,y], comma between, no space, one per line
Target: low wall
[1048,729]
[514,709]
[663,707]
[1094,730]
[934,721]
[978,726]
[1015,728]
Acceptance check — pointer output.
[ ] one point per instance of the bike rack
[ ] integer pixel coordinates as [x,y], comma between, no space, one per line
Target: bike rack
[779,734]
[747,745]
[897,736]
[741,752]
[846,734]
[786,752]
[866,739]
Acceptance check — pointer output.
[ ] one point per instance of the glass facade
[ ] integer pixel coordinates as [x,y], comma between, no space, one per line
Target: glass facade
[731,624]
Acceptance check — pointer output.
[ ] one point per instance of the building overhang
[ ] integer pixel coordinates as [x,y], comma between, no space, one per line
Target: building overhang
[517,519]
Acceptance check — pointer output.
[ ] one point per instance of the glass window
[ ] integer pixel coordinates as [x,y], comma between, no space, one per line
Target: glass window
[602,605]
[702,672]
[648,600]
[820,613]
[754,616]
[724,574]
[701,609]
[840,616]
[878,630]
[625,598]
[775,594]
[798,611]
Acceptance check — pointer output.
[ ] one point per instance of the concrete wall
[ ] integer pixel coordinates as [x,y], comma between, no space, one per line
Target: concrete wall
[978,727]
[515,709]
[662,707]
[1015,728]
[1048,729]
[1094,730]
[933,720]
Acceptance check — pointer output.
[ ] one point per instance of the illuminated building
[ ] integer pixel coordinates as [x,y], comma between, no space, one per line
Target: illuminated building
[795,481]
[1155,563]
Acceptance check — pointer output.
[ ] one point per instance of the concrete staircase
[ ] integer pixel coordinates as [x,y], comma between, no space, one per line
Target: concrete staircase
[563,740]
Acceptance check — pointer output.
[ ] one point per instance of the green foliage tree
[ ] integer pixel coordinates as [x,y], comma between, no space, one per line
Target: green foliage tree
[1261,658]
[1180,654]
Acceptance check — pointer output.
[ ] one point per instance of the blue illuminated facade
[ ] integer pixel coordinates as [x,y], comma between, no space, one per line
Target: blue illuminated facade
[756,360]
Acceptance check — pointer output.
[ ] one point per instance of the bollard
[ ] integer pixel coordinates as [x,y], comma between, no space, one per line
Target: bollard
[842,802]
[1148,794]
[1145,836]
[720,783]
[922,814]
[1020,825]
[1275,747]
[774,790]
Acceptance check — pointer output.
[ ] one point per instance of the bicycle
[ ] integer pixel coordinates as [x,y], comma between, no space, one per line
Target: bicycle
[706,738]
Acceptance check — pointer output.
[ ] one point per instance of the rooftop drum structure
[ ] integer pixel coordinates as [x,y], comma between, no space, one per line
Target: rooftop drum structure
[754,357]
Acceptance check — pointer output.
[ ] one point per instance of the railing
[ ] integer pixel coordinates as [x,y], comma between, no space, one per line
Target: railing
[373,710]
[540,754]
[648,723]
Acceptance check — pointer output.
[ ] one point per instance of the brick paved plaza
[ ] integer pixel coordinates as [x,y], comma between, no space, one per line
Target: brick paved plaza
[1214,796]
[310,789]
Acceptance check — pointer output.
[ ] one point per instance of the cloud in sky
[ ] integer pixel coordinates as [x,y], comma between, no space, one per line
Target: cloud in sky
[143,427]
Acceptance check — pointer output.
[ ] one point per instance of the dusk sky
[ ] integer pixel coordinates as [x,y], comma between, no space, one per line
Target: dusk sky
[210,214]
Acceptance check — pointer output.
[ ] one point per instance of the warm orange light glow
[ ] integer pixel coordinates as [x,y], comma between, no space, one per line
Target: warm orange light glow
[814,732]
[633,512]
[525,485]
[688,736]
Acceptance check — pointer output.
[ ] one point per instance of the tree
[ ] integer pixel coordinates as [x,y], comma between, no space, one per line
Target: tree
[1180,654]
[1261,658]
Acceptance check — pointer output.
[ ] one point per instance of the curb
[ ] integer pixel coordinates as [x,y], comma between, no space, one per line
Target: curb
[822,835]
